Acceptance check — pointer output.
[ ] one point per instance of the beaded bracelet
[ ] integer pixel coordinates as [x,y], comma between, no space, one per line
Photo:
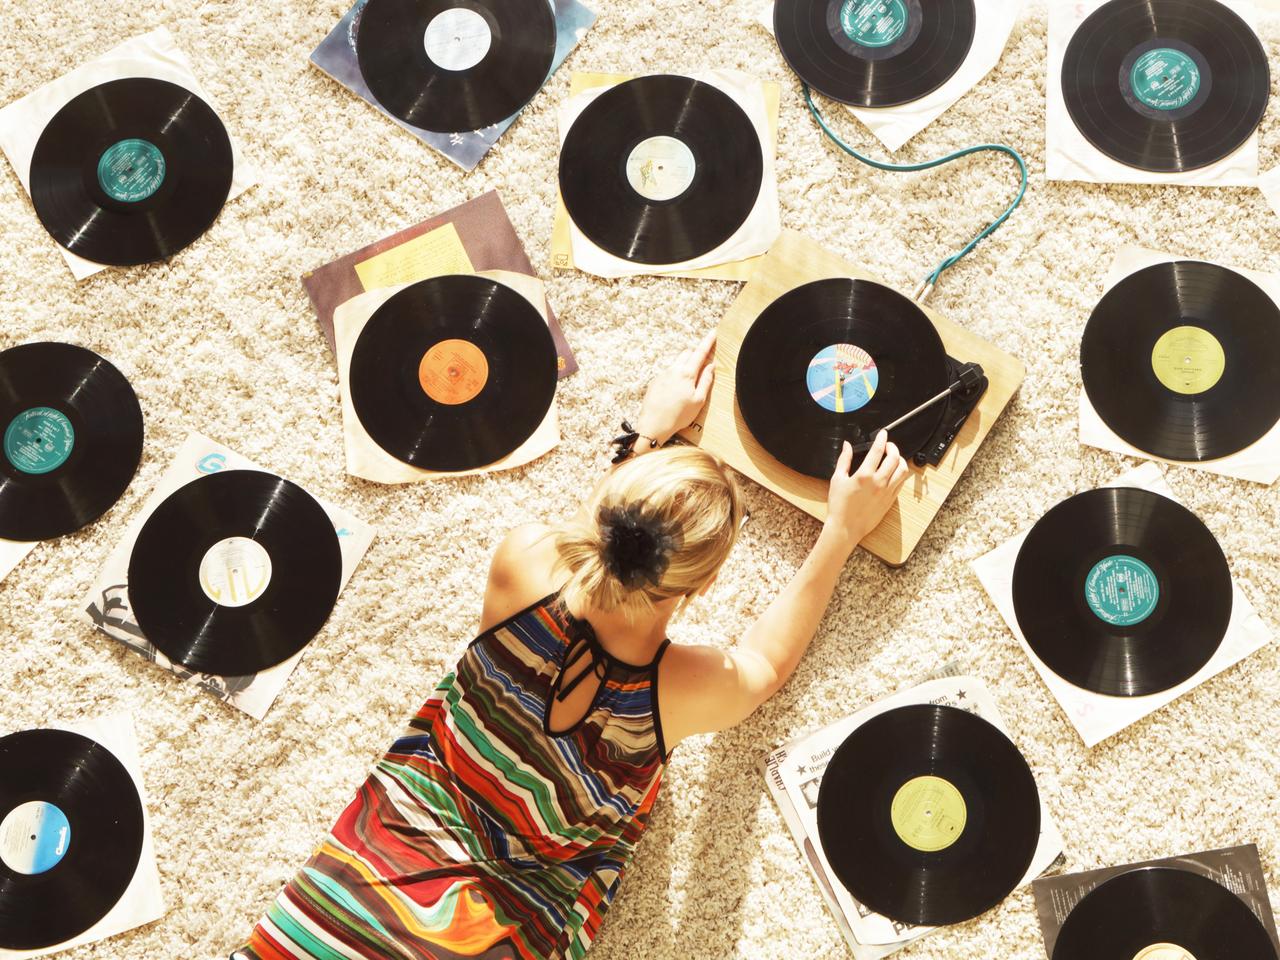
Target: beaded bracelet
[626,444]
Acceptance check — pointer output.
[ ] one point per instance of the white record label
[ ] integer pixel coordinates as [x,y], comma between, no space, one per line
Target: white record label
[661,168]
[457,39]
[235,572]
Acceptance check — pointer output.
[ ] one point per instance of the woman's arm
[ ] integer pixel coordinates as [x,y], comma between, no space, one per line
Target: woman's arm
[706,689]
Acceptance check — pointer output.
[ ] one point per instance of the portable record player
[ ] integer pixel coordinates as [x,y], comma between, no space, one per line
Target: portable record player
[978,379]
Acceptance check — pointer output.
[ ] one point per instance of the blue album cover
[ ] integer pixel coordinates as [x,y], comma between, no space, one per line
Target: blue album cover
[336,56]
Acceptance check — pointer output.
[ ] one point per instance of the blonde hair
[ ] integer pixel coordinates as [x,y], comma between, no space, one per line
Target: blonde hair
[687,495]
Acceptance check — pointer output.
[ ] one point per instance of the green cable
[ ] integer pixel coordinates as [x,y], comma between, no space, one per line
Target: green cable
[951,261]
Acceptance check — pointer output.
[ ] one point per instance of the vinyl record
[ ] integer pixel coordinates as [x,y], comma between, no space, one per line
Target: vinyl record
[70,439]
[1165,85]
[453,373]
[928,815]
[234,573]
[71,831]
[455,65]
[1122,591]
[1161,913]
[1182,360]
[131,171]
[875,53]
[661,169]
[836,360]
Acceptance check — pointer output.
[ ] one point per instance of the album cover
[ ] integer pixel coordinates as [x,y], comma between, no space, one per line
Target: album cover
[153,55]
[107,605]
[1071,156]
[1259,462]
[794,775]
[336,56]
[736,258]
[1238,869]
[13,553]
[894,126]
[1096,716]
[471,238]
[142,901]
[369,461]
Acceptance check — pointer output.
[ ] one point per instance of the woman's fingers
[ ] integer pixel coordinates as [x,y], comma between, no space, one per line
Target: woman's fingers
[845,460]
[705,379]
[698,357]
[889,464]
[875,454]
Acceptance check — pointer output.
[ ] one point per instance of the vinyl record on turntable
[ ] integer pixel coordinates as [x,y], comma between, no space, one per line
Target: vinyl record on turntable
[71,836]
[928,815]
[70,439]
[836,360]
[1162,913]
[661,169]
[452,66]
[1165,85]
[1122,591]
[131,171]
[234,573]
[453,373]
[875,53]
[1182,360]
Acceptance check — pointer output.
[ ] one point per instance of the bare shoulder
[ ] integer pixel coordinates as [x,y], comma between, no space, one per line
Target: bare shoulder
[704,689]
[522,572]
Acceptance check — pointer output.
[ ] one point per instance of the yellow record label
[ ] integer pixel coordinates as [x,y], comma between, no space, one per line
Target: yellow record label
[1188,360]
[1163,951]
[453,372]
[928,814]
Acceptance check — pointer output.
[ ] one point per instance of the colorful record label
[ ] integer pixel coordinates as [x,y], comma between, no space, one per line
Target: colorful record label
[842,378]
[457,39]
[39,440]
[1188,360]
[1121,590]
[661,168]
[235,572]
[1165,79]
[928,814]
[453,372]
[34,837]
[131,171]
[1163,951]
[874,23]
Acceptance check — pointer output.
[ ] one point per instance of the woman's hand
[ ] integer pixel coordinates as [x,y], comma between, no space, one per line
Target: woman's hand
[858,501]
[678,393]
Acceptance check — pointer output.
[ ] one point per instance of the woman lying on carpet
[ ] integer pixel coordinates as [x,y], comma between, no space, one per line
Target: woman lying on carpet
[500,824]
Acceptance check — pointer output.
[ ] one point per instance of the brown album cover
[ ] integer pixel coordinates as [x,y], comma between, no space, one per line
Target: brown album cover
[470,238]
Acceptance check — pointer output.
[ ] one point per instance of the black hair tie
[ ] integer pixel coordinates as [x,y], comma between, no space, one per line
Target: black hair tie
[638,544]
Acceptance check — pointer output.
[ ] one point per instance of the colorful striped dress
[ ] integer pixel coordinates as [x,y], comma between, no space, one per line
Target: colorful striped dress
[481,833]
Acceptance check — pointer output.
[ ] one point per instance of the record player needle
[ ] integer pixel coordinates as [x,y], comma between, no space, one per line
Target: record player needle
[969,375]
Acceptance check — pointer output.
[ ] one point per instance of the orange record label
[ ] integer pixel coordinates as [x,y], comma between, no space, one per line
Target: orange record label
[453,372]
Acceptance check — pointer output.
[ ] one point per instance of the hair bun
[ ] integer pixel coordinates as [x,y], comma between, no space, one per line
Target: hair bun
[637,544]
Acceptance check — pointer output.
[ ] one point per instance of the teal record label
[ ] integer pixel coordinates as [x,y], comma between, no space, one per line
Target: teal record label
[34,837]
[131,171]
[1121,590]
[874,23]
[39,440]
[1165,79]
[842,378]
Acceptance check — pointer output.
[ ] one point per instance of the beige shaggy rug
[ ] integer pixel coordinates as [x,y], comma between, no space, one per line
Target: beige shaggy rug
[222,340]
